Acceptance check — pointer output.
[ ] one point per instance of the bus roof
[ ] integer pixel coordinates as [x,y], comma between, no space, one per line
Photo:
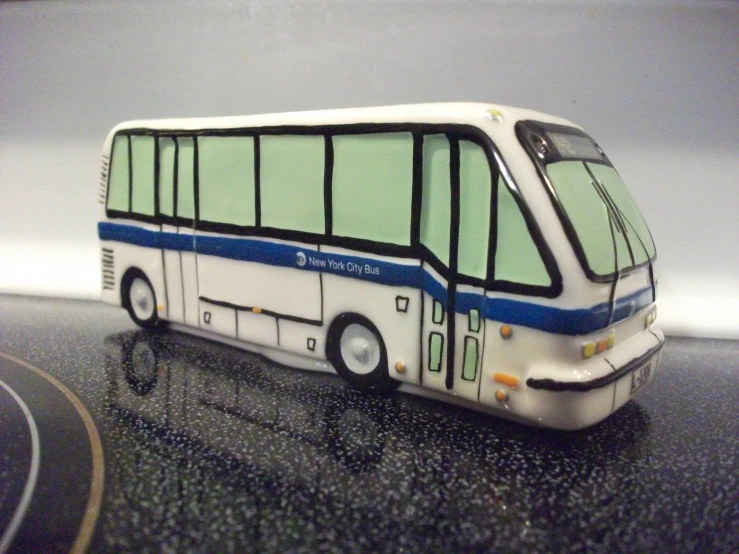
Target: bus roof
[470,113]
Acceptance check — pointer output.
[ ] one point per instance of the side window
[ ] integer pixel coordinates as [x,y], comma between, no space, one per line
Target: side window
[142,175]
[226,180]
[474,219]
[517,259]
[436,206]
[166,176]
[185,178]
[436,349]
[372,187]
[474,321]
[438,314]
[119,178]
[469,368]
[291,179]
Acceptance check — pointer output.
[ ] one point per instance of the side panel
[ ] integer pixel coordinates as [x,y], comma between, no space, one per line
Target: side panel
[470,341]
[218,319]
[435,340]
[257,328]
[281,290]
[174,278]
[190,287]
[299,338]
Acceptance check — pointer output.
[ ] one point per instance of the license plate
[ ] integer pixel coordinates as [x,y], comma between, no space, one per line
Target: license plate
[640,376]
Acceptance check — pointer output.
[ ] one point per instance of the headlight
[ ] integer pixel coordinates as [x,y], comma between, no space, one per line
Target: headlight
[650,318]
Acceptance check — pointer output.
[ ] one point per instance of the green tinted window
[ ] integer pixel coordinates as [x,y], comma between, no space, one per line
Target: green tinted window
[118,187]
[436,204]
[226,179]
[516,259]
[469,370]
[438,315]
[589,216]
[291,182]
[436,348]
[142,191]
[185,177]
[166,176]
[372,186]
[474,320]
[636,228]
[474,217]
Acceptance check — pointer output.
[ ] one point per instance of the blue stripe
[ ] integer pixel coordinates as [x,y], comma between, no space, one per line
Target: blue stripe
[284,255]
[545,318]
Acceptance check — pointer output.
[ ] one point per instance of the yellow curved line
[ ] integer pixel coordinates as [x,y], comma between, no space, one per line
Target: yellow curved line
[98,467]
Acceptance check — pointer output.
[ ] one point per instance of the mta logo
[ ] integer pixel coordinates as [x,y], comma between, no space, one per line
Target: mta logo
[301,259]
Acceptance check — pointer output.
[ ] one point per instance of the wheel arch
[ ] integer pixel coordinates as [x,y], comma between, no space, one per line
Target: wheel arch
[379,380]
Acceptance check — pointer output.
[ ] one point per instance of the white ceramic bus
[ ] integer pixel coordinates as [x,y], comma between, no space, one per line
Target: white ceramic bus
[485,255]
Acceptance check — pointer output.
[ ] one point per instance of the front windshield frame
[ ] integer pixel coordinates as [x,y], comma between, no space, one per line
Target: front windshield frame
[536,139]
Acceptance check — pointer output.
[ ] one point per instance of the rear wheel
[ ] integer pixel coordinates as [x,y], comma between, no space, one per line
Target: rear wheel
[357,352]
[140,300]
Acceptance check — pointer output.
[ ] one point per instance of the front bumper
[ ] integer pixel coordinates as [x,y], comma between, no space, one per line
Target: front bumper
[594,390]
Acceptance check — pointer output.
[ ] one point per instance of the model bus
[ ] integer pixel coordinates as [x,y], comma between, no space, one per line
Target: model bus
[485,255]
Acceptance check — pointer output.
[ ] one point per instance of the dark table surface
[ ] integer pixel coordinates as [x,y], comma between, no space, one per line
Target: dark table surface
[208,448]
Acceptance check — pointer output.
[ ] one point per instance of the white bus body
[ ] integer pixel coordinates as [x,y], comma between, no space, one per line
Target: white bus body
[485,255]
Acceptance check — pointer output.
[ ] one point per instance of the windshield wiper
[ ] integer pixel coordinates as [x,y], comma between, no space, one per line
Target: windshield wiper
[620,217]
[641,242]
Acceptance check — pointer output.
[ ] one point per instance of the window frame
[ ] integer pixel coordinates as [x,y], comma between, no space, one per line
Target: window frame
[415,250]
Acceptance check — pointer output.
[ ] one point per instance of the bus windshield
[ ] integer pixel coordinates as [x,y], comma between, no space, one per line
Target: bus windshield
[593,200]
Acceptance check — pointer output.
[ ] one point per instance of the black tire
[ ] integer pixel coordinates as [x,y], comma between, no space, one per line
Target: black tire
[143,308]
[368,370]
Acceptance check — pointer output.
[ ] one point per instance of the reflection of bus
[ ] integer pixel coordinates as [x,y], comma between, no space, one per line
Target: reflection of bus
[490,255]
[289,458]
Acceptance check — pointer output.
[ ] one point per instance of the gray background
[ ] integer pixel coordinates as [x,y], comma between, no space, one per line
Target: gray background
[655,82]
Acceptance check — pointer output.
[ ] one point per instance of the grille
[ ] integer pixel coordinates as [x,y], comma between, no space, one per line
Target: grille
[108,269]
[103,179]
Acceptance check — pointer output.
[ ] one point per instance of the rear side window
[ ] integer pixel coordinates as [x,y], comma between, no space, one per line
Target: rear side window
[119,183]
[142,176]
[167,150]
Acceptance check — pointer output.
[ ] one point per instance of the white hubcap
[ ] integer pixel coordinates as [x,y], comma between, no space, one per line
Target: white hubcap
[142,299]
[360,349]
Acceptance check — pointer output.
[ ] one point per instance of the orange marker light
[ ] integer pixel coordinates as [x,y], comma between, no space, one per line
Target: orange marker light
[400,367]
[501,395]
[506,331]
[602,344]
[505,379]
[256,310]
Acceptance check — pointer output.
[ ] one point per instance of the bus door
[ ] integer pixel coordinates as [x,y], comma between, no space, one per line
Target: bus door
[455,219]
[177,210]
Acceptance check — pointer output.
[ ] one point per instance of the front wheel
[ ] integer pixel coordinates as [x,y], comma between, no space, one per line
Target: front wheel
[356,350]
[140,301]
